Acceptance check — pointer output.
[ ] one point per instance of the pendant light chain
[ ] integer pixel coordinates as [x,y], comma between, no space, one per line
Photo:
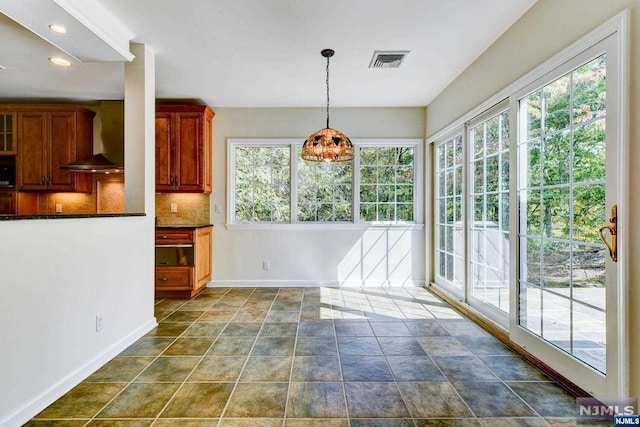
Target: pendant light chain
[327,91]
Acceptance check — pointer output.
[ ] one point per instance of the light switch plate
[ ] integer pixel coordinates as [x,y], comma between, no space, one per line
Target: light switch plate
[58,207]
[174,208]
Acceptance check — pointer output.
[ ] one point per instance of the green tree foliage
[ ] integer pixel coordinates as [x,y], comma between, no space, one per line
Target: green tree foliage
[325,191]
[565,152]
[262,184]
[386,183]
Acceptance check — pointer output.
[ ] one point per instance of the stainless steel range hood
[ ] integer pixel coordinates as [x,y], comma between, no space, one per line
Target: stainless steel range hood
[98,163]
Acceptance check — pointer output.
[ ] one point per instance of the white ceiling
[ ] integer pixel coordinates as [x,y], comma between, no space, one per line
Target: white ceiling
[266,53]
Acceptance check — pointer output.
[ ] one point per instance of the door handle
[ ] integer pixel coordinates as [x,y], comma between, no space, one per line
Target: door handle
[612,227]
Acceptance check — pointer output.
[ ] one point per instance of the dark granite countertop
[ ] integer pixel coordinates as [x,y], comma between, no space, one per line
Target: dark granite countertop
[67,216]
[183,225]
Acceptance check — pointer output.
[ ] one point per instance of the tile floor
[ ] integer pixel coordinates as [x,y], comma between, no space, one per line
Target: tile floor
[310,357]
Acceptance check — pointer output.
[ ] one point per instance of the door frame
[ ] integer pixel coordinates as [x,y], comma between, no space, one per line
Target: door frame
[613,385]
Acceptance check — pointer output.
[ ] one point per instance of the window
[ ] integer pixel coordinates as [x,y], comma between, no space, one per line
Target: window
[262,184]
[449,230]
[324,191]
[386,183]
[379,186]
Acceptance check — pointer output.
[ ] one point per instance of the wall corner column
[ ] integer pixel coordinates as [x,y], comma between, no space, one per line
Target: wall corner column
[139,131]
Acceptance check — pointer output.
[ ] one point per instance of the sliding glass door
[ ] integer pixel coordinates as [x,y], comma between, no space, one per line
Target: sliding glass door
[567,190]
[488,228]
[526,203]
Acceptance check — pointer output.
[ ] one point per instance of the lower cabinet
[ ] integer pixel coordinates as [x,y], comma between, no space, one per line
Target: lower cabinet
[7,201]
[183,261]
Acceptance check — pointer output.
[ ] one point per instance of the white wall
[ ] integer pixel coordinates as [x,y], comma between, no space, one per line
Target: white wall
[55,277]
[312,256]
[547,28]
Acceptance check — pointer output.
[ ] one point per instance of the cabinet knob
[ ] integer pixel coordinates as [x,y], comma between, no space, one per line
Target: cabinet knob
[164,236]
[164,279]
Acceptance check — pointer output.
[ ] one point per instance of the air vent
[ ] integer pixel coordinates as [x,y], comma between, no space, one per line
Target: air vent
[388,58]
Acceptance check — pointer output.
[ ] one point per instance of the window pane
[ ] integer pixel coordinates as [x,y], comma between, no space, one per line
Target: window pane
[589,212]
[556,159]
[324,191]
[589,90]
[492,173]
[556,212]
[492,143]
[262,190]
[532,113]
[387,180]
[556,102]
[534,170]
[589,152]
[489,273]
[448,198]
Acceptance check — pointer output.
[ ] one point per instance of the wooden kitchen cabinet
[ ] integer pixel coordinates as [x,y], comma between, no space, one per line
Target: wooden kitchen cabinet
[183,260]
[7,133]
[49,136]
[183,148]
[7,201]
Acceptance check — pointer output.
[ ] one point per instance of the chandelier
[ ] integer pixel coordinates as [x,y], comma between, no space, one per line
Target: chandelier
[327,145]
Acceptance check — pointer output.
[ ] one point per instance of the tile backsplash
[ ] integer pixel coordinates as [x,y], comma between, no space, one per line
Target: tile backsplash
[107,197]
[191,208]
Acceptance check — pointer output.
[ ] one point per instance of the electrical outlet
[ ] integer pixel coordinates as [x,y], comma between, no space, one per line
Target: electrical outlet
[218,208]
[99,322]
[174,208]
[58,207]
[266,265]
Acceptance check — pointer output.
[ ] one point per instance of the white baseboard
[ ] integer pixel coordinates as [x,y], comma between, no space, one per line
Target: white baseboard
[50,395]
[313,283]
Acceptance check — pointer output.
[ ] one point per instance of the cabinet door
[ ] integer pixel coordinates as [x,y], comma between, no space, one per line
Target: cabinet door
[31,171]
[189,152]
[62,150]
[165,148]
[203,256]
[7,133]
[7,201]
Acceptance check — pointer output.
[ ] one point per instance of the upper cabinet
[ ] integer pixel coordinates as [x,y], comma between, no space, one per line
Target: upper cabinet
[7,133]
[183,148]
[46,137]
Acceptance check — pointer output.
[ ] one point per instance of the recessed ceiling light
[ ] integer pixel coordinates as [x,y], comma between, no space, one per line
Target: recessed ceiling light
[60,61]
[58,28]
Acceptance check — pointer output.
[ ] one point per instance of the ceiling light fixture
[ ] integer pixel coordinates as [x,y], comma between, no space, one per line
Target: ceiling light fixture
[60,29]
[327,145]
[60,61]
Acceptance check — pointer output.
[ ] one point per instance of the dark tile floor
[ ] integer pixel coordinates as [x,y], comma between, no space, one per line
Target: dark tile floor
[292,357]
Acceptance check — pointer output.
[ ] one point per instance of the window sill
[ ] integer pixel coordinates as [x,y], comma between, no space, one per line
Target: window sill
[324,226]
